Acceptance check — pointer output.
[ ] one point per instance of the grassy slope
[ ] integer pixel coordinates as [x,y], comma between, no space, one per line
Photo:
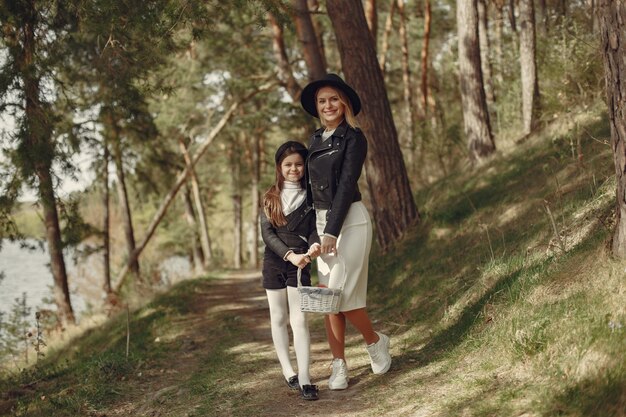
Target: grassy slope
[488,316]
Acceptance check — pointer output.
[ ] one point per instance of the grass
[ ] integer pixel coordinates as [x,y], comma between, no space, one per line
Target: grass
[489,315]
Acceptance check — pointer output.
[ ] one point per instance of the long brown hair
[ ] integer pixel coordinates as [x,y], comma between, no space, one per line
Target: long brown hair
[348,112]
[272,205]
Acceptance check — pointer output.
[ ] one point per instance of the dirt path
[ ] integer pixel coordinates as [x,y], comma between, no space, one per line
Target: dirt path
[254,380]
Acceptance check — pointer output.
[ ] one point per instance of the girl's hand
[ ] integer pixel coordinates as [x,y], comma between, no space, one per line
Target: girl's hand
[329,245]
[315,250]
[299,260]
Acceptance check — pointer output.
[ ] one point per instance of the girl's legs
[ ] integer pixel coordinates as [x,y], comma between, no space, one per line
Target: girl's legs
[279,316]
[301,337]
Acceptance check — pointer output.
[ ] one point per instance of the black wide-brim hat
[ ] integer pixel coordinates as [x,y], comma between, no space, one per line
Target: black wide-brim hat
[297,146]
[307,98]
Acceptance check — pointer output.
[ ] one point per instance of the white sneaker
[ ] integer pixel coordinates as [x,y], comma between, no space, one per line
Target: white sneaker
[339,376]
[379,354]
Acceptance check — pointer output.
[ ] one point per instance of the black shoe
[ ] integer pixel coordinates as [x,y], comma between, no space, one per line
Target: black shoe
[309,392]
[293,382]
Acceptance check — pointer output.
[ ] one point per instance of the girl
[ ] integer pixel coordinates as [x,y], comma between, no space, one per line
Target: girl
[288,230]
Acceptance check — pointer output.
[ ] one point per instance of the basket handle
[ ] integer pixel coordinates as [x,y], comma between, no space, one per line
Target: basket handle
[299,274]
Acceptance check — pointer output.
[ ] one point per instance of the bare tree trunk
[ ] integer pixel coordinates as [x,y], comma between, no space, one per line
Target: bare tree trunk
[285,74]
[425,54]
[122,193]
[371,15]
[205,240]
[392,201]
[499,40]
[106,223]
[475,114]
[37,143]
[593,15]
[612,24]
[385,42]
[308,40]
[485,47]
[512,16]
[196,248]
[254,192]
[407,90]
[528,61]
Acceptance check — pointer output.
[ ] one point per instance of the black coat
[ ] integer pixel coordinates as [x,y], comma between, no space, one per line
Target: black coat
[333,168]
[297,235]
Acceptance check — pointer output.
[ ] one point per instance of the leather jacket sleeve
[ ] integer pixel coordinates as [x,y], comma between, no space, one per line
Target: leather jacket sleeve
[313,236]
[354,158]
[270,237]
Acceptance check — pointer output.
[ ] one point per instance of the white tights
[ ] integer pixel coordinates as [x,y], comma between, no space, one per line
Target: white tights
[285,307]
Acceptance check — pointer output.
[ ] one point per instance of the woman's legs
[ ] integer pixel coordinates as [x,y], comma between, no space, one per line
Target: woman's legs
[336,334]
[279,317]
[336,329]
[301,337]
[360,319]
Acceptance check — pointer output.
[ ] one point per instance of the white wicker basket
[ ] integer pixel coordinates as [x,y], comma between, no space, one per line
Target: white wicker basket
[319,299]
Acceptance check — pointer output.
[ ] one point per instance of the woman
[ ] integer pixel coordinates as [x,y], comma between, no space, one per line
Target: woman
[288,230]
[336,155]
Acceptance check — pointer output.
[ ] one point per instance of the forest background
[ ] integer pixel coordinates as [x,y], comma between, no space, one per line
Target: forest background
[179,106]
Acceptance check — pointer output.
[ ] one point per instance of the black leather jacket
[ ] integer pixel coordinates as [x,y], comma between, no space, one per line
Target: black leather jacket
[280,240]
[333,168]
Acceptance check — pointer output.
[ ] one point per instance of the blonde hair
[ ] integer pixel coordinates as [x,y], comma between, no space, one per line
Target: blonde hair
[343,99]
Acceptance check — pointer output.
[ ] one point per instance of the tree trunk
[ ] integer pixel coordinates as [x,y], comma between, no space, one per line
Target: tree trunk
[385,42]
[407,88]
[37,135]
[393,206]
[122,193]
[196,248]
[499,40]
[106,222]
[237,229]
[371,16]
[612,23]
[485,47]
[197,198]
[285,74]
[475,114]
[319,33]
[425,54]
[512,16]
[528,62]
[308,40]
[255,205]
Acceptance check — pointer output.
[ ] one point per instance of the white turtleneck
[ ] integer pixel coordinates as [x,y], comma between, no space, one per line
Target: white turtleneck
[292,196]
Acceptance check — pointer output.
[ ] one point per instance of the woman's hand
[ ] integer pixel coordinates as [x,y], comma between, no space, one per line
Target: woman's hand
[299,260]
[315,250]
[329,245]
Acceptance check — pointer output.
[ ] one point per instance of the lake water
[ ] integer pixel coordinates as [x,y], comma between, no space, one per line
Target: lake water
[27,271]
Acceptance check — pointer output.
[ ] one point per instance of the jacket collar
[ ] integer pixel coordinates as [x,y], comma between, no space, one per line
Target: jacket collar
[340,131]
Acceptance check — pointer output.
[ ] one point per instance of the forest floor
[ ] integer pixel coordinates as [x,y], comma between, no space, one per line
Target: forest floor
[252,384]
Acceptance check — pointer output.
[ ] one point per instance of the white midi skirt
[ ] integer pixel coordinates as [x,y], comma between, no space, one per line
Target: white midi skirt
[352,259]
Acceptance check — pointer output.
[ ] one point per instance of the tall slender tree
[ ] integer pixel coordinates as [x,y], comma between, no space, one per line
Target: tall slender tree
[475,113]
[612,23]
[34,34]
[528,63]
[393,206]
